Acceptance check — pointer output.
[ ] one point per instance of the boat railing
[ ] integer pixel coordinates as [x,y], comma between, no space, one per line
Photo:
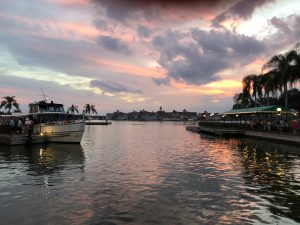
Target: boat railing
[63,122]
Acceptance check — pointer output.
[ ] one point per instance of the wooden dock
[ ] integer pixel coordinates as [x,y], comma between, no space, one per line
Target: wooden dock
[21,139]
[274,137]
[193,128]
[280,138]
[97,123]
[225,132]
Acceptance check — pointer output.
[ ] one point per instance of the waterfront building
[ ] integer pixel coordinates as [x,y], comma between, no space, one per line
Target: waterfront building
[153,116]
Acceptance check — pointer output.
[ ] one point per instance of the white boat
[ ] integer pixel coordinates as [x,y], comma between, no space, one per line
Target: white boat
[51,121]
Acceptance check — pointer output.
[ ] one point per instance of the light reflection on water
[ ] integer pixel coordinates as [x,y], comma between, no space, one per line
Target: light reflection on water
[150,173]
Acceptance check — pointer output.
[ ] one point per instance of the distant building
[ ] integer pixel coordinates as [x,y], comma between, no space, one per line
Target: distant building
[148,116]
[160,115]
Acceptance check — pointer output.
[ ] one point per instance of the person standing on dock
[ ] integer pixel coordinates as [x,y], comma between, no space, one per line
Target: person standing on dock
[29,127]
[12,125]
[294,127]
[20,126]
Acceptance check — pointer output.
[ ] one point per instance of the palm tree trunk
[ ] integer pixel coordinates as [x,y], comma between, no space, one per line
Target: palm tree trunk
[268,98]
[285,97]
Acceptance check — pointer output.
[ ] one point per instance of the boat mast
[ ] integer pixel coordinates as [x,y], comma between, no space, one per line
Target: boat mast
[45,97]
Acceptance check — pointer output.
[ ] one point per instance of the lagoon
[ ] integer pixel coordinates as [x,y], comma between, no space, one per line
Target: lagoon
[150,173]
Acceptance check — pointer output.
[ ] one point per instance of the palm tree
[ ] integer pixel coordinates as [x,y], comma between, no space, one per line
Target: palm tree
[72,109]
[251,82]
[295,70]
[88,109]
[267,85]
[282,66]
[242,100]
[9,102]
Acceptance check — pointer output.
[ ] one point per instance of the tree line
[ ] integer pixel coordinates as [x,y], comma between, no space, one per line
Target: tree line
[274,85]
[10,102]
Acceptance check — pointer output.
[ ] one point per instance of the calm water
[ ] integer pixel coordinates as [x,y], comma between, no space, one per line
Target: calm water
[150,173]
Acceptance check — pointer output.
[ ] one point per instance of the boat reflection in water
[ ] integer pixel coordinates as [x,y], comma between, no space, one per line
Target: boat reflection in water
[39,179]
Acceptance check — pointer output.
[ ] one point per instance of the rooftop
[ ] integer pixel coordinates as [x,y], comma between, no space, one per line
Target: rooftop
[261,109]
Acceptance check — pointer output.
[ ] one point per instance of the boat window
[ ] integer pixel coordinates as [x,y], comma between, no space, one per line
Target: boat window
[43,108]
[59,109]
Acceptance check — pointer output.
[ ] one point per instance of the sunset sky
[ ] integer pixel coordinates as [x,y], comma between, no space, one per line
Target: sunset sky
[132,54]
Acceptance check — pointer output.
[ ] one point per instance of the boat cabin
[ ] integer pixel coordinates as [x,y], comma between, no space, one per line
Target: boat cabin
[44,107]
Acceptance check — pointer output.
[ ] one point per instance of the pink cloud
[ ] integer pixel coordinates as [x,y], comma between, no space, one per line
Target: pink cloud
[131,69]
[70,2]
[6,90]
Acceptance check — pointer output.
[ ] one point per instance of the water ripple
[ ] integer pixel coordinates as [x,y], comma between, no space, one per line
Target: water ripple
[150,173]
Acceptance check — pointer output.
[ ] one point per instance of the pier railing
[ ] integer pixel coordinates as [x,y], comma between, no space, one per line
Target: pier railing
[217,124]
[6,130]
[246,126]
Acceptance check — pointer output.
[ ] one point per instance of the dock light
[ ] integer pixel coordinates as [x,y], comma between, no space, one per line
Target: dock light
[237,115]
[41,134]
[278,111]
[41,152]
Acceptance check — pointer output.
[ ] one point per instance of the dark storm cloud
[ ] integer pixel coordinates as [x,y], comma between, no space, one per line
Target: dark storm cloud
[287,32]
[241,9]
[114,44]
[120,9]
[113,87]
[222,9]
[280,24]
[198,60]
[55,54]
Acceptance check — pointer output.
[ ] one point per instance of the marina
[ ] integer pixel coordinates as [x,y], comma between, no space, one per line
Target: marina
[149,112]
[137,177]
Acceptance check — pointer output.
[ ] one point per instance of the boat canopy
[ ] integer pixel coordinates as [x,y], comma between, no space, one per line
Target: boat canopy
[258,110]
[42,106]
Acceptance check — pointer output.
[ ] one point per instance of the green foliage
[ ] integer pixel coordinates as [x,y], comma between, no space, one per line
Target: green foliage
[72,109]
[88,109]
[8,102]
[294,99]
[279,74]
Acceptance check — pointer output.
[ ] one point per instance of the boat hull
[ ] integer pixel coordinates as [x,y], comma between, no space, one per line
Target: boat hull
[61,133]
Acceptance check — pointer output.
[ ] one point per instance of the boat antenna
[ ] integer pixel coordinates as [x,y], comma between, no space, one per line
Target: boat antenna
[45,97]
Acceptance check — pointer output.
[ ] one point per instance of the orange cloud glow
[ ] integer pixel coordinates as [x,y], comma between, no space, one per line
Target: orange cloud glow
[224,84]
[132,69]
[224,87]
